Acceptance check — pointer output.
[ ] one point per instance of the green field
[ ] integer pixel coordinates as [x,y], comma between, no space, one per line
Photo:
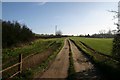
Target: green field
[103,45]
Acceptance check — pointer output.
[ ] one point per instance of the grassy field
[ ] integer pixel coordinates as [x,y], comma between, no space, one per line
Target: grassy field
[10,56]
[108,66]
[103,45]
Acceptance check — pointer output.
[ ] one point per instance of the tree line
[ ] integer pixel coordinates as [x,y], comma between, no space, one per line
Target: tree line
[102,34]
[14,33]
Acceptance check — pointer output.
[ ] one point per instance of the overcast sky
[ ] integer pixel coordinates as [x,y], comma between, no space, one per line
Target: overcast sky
[70,17]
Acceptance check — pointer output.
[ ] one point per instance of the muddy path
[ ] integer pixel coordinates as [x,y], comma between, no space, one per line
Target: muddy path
[84,69]
[59,68]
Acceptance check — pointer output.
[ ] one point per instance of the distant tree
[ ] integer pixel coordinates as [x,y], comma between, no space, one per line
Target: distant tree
[58,33]
[81,35]
[114,32]
[102,33]
[88,35]
[109,32]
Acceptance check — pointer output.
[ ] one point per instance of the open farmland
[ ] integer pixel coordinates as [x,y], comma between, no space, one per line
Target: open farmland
[61,58]
[103,45]
[34,54]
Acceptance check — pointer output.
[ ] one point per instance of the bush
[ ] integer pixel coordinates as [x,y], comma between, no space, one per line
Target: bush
[116,47]
[25,75]
[14,32]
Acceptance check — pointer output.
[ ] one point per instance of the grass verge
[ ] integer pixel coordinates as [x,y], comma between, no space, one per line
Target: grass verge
[11,56]
[71,69]
[109,67]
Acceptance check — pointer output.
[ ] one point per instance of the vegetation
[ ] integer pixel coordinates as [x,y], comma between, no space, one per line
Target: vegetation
[102,34]
[71,70]
[103,45]
[58,33]
[14,32]
[116,41]
[108,66]
[116,47]
[35,47]
[44,65]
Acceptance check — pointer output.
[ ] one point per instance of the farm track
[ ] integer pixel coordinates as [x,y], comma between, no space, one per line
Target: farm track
[84,69]
[59,68]
[107,57]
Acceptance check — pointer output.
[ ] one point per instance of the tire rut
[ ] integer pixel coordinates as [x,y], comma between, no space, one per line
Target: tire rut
[84,69]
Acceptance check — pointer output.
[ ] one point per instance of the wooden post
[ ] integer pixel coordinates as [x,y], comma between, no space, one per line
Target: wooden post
[20,61]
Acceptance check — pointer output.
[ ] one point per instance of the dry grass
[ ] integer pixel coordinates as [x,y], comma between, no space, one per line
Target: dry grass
[37,59]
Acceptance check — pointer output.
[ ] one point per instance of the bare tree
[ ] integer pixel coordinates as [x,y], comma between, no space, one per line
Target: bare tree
[114,31]
[109,32]
[102,33]
[58,33]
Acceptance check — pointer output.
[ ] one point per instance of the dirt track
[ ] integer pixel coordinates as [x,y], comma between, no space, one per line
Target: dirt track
[82,65]
[60,66]
[84,69]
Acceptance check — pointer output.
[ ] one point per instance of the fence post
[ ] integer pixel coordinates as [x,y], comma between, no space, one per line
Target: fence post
[20,61]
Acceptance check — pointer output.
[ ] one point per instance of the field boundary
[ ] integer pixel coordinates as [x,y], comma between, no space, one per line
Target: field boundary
[98,52]
[15,69]
[19,64]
